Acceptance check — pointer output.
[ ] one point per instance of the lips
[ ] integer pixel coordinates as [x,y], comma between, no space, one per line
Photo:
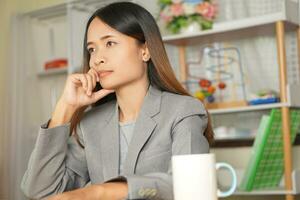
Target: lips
[104,73]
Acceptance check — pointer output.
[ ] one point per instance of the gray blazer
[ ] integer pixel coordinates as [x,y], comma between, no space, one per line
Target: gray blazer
[168,124]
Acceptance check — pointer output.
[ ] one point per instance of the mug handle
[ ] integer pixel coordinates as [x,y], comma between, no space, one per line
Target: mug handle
[234,180]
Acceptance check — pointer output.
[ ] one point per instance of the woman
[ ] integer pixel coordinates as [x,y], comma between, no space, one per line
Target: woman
[139,117]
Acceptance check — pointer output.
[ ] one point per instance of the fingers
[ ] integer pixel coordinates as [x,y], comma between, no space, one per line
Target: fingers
[80,78]
[89,84]
[100,94]
[94,72]
[93,80]
[87,80]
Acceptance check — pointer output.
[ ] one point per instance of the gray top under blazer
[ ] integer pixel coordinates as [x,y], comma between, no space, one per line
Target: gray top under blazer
[125,134]
[168,124]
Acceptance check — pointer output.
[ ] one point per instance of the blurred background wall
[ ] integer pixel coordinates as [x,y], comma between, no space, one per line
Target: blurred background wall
[7,9]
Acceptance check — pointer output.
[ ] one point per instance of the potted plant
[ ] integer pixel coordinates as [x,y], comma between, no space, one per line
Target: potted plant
[187,15]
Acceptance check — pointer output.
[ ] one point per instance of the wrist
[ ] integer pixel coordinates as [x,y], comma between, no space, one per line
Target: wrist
[62,114]
[61,104]
[66,109]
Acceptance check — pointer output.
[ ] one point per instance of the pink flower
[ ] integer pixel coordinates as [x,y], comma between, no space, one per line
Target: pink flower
[177,9]
[207,10]
[166,14]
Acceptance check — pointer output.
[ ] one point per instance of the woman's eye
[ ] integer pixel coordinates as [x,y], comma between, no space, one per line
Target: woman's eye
[110,43]
[91,50]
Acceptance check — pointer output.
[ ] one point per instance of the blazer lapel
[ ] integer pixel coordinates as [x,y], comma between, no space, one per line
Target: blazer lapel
[110,145]
[144,126]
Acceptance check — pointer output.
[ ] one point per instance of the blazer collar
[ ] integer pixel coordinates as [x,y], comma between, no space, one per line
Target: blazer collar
[143,129]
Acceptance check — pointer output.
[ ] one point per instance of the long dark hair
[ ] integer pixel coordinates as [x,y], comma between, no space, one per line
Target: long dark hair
[135,21]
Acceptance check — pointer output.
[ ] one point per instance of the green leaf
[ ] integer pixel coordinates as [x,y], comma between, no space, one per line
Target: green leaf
[165,2]
[205,24]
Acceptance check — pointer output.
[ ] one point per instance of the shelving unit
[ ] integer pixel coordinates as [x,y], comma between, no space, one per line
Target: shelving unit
[286,20]
[75,14]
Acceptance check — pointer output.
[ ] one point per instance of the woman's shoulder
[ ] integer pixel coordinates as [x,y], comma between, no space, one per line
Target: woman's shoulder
[184,103]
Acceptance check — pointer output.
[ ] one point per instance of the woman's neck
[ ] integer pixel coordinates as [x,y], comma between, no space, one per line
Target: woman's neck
[130,99]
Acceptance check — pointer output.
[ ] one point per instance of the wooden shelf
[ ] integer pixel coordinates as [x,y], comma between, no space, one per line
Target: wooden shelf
[279,191]
[237,142]
[248,108]
[260,25]
[293,101]
[241,142]
[50,72]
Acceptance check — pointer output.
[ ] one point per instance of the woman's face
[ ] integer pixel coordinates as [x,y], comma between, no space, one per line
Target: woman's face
[116,57]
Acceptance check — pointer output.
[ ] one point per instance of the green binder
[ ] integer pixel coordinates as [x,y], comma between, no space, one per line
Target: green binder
[265,167]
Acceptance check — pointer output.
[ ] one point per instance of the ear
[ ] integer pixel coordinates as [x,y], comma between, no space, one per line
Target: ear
[145,53]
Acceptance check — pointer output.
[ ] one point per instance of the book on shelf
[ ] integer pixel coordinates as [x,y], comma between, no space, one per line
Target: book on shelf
[266,165]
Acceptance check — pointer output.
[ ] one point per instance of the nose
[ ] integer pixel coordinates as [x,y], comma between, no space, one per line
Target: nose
[99,61]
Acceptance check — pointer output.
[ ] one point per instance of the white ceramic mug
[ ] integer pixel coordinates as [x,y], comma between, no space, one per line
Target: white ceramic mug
[194,177]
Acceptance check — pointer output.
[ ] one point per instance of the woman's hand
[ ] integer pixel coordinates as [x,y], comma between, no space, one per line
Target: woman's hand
[78,89]
[92,192]
[106,191]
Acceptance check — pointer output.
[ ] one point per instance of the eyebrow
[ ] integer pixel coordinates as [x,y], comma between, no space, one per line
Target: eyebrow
[102,38]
